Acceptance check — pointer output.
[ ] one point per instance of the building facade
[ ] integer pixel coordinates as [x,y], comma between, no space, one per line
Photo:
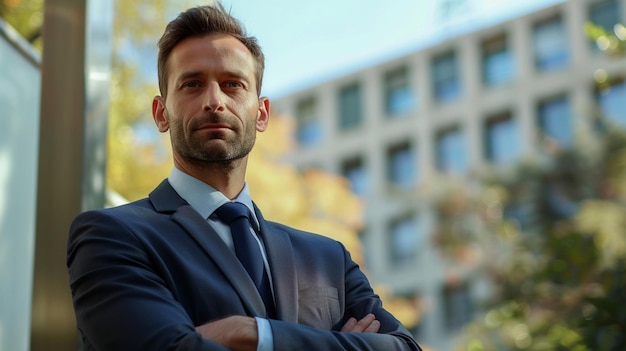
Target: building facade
[477,101]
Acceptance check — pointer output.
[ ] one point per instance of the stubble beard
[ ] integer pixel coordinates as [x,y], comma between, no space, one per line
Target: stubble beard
[211,149]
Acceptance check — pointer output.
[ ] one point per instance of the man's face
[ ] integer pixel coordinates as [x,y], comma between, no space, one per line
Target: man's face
[212,108]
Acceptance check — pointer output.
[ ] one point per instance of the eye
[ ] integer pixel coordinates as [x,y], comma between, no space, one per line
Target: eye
[191,84]
[233,84]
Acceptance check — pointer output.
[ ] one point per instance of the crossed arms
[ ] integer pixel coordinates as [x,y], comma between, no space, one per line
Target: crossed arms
[130,293]
[239,333]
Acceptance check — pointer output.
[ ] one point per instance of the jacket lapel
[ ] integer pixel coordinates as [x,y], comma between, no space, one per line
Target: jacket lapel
[281,260]
[165,199]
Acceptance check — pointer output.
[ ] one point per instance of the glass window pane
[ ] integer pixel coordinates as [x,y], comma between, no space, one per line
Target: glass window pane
[612,102]
[550,45]
[350,109]
[555,120]
[356,173]
[398,92]
[309,127]
[498,66]
[502,139]
[401,168]
[445,71]
[458,306]
[605,14]
[451,151]
[407,236]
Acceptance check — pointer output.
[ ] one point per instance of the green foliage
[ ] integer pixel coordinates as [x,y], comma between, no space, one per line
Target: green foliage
[139,156]
[26,17]
[552,237]
[611,43]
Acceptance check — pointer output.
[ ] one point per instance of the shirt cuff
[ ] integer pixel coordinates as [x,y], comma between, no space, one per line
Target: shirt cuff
[266,339]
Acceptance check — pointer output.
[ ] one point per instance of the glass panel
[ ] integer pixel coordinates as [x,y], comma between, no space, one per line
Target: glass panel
[309,129]
[555,120]
[398,92]
[550,45]
[497,61]
[446,83]
[451,151]
[612,101]
[502,140]
[406,239]
[458,306]
[350,109]
[605,14]
[402,169]
[356,173]
[20,87]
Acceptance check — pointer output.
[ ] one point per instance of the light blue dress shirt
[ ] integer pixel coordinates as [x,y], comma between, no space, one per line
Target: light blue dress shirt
[205,200]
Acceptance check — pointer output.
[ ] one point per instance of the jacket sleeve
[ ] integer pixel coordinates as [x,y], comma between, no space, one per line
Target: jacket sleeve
[360,300]
[291,336]
[119,301]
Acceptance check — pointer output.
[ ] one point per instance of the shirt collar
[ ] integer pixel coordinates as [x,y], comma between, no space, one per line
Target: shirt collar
[204,198]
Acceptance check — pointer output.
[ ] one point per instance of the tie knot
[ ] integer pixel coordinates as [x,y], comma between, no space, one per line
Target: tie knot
[230,211]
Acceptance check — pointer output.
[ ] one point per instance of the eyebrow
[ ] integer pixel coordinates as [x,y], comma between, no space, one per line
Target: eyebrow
[187,75]
[237,73]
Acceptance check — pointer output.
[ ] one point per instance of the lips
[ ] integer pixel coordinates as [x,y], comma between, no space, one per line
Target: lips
[213,126]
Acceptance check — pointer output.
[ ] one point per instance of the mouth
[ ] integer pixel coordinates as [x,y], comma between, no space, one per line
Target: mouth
[214,126]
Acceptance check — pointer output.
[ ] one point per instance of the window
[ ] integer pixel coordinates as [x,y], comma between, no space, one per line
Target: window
[612,101]
[445,73]
[451,151]
[498,61]
[354,170]
[550,45]
[458,306]
[502,142]
[401,166]
[406,239]
[555,120]
[398,92]
[350,109]
[309,128]
[605,14]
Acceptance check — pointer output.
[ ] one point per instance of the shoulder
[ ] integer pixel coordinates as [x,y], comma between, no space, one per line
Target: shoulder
[133,212]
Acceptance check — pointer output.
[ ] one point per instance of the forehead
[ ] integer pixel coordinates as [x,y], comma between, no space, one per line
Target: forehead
[211,52]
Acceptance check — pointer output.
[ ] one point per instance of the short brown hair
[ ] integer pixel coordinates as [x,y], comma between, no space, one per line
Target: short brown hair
[200,21]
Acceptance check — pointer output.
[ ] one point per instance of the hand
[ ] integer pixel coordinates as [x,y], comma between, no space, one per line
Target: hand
[368,324]
[237,333]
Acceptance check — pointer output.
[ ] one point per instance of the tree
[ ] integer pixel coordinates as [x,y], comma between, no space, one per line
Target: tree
[611,43]
[26,17]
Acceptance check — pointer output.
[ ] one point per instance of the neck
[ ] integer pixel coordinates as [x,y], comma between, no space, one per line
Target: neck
[226,177]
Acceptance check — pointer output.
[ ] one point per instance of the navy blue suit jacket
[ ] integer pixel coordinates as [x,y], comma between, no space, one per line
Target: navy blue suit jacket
[145,274]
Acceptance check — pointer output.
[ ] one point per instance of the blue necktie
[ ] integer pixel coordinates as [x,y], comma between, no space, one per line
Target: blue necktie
[247,249]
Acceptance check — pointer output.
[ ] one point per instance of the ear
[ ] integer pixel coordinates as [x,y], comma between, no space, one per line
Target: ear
[263,115]
[159,113]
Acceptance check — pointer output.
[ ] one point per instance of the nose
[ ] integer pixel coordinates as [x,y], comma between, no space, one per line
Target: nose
[213,100]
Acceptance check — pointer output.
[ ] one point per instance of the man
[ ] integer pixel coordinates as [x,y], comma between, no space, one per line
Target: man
[169,272]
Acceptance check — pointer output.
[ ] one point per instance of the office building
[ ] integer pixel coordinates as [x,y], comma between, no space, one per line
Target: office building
[473,102]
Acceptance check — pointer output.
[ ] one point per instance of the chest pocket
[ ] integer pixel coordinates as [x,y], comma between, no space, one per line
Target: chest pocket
[319,307]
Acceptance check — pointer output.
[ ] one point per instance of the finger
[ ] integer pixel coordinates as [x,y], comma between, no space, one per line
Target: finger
[364,323]
[349,325]
[374,327]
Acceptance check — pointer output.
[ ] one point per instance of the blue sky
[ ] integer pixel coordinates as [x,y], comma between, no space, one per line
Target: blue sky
[306,42]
